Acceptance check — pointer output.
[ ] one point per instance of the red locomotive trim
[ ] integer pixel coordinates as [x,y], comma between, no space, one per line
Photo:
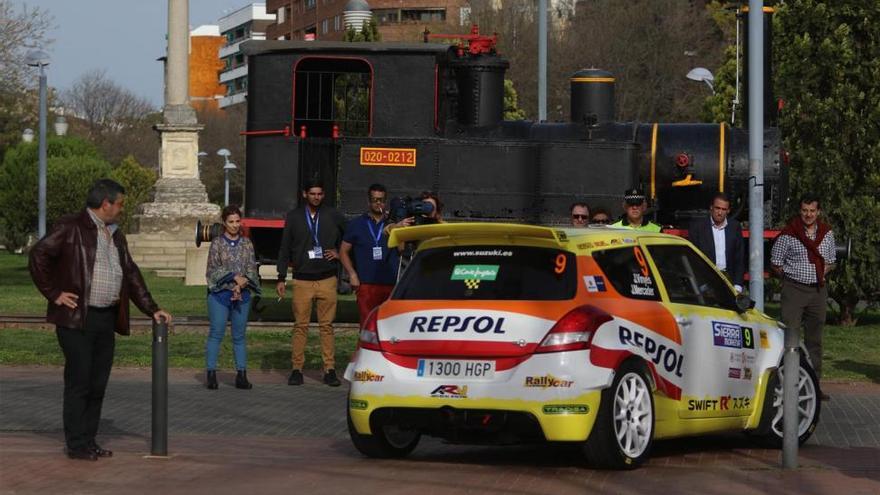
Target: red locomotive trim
[768,234]
[284,132]
[277,223]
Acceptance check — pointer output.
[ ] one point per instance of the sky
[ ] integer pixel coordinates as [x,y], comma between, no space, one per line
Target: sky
[123,37]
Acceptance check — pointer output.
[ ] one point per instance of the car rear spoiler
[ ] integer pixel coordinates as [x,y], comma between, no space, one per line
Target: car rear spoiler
[474,229]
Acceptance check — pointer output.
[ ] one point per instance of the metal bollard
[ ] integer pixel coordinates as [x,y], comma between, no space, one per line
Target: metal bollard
[159,446]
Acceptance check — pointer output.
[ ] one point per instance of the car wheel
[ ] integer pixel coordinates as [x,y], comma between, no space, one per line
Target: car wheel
[624,430]
[809,406]
[388,441]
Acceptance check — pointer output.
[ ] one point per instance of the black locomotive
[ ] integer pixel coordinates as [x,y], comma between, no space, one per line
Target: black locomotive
[429,116]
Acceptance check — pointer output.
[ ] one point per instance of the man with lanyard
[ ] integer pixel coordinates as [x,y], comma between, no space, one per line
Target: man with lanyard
[373,272]
[802,255]
[634,206]
[312,234]
[721,240]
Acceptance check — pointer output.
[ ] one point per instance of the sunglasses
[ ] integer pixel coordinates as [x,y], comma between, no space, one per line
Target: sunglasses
[602,221]
[580,217]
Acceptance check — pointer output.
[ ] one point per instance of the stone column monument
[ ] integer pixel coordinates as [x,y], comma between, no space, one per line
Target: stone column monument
[166,227]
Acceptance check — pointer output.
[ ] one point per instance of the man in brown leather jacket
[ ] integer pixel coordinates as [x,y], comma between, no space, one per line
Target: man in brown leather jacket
[83,267]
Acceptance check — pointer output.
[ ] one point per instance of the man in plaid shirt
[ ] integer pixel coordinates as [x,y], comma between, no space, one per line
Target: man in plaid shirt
[803,255]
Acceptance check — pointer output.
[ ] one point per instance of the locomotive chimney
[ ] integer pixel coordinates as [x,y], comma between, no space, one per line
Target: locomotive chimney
[592,96]
[770,104]
[480,81]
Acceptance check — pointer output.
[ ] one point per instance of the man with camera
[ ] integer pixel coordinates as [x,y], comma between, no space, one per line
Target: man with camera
[373,271]
[312,234]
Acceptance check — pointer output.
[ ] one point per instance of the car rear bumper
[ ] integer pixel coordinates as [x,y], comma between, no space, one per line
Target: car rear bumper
[559,393]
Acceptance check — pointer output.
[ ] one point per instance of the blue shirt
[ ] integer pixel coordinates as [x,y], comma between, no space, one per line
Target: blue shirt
[361,234]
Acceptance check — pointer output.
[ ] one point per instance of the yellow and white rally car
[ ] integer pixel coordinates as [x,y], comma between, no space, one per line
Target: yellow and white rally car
[610,337]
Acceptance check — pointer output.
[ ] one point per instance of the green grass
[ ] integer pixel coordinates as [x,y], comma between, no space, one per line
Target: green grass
[851,353]
[266,350]
[20,297]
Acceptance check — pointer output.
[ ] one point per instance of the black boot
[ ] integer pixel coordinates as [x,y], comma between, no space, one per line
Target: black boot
[211,381]
[241,380]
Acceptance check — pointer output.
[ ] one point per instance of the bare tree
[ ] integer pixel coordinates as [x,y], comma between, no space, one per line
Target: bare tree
[20,32]
[115,119]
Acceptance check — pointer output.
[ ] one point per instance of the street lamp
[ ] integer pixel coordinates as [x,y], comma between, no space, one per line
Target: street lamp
[701,74]
[27,135]
[228,167]
[60,126]
[38,58]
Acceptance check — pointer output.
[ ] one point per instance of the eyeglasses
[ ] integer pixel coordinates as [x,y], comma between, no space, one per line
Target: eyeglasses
[377,200]
[602,221]
[579,217]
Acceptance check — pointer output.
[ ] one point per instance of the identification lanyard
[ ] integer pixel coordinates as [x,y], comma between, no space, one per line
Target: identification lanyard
[313,226]
[377,249]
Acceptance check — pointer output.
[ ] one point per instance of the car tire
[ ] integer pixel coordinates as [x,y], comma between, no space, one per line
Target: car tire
[624,430]
[386,442]
[769,432]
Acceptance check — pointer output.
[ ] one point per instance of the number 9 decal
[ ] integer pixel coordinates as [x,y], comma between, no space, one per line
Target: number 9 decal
[561,261]
[640,258]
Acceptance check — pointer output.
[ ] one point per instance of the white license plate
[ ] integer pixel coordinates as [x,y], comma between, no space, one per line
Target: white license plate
[450,368]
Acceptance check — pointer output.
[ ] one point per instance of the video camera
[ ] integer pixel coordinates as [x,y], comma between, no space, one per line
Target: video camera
[405,207]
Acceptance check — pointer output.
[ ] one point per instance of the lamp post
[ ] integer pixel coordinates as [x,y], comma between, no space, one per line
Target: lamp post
[60,126]
[701,74]
[227,167]
[38,58]
[27,135]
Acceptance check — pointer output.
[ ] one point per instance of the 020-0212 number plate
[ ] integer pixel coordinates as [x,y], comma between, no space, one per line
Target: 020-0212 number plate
[447,368]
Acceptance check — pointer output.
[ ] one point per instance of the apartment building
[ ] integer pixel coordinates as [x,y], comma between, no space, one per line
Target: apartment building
[397,20]
[247,23]
[204,65]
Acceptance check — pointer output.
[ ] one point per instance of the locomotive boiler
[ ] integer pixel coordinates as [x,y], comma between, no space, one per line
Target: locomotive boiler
[429,117]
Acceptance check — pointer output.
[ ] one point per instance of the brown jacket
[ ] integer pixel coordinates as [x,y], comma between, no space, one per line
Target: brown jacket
[62,261]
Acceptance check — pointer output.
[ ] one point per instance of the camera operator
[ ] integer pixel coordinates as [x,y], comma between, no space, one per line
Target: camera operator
[426,210]
[373,271]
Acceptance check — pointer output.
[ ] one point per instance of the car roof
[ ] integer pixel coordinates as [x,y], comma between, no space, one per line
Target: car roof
[568,238]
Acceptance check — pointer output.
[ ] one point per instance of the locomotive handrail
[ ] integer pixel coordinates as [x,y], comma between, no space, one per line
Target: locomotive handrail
[285,132]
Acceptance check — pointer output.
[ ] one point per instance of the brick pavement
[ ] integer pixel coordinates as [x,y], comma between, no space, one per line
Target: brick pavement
[280,439]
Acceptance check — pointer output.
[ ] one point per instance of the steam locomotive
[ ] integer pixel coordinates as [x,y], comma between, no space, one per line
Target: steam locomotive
[429,117]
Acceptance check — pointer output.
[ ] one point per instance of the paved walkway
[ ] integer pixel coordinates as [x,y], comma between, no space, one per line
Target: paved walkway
[293,440]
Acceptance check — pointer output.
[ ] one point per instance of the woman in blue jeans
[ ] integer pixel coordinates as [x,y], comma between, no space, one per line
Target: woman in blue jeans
[232,281]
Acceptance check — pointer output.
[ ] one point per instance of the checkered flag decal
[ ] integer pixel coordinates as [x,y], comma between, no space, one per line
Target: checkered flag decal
[472,283]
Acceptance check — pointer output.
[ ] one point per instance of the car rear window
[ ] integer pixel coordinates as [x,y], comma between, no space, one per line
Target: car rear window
[490,273]
[628,272]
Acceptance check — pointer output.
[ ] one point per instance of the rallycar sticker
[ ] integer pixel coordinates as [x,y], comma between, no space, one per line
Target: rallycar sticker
[594,283]
[367,376]
[547,381]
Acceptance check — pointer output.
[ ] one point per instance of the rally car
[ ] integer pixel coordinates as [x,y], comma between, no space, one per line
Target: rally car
[503,333]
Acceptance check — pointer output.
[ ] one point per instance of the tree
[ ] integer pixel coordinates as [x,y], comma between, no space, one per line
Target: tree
[368,32]
[115,119]
[222,130]
[827,59]
[20,32]
[138,183]
[73,165]
[511,108]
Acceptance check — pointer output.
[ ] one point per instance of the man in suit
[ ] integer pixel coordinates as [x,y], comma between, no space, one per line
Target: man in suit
[720,239]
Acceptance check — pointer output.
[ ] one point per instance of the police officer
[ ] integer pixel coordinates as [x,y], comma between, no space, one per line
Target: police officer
[634,206]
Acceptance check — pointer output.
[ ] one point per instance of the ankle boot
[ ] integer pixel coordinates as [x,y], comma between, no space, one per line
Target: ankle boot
[241,380]
[211,381]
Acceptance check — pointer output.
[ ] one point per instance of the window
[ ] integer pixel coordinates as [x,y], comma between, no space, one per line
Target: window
[490,273]
[310,4]
[280,15]
[689,279]
[386,16]
[333,92]
[629,272]
[423,15]
[337,23]
[464,16]
[325,26]
[239,59]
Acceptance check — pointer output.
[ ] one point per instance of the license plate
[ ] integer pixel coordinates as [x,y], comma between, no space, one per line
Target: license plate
[448,368]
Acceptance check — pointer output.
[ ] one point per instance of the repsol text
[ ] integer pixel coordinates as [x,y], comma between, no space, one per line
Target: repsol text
[658,353]
[457,324]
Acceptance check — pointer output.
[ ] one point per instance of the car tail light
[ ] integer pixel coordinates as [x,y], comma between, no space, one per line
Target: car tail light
[574,331]
[369,334]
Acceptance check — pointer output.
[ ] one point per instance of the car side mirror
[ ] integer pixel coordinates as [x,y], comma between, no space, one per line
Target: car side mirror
[744,303]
